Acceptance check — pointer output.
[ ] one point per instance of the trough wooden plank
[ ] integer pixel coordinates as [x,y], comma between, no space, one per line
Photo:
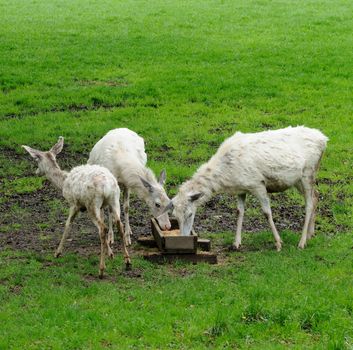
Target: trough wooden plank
[173,244]
[149,241]
[181,244]
[156,234]
[204,244]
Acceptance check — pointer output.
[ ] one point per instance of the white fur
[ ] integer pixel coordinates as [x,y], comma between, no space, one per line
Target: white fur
[86,187]
[122,151]
[257,163]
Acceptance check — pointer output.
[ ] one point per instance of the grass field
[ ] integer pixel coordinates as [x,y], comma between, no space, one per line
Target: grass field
[185,75]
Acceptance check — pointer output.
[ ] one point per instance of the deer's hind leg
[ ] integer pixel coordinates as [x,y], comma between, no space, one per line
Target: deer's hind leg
[126,206]
[98,220]
[240,210]
[311,228]
[307,187]
[261,194]
[72,214]
[115,210]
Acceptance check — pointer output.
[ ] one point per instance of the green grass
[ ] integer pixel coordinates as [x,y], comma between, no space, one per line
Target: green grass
[260,299]
[185,75]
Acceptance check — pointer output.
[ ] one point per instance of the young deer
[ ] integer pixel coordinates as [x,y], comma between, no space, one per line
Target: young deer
[90,187]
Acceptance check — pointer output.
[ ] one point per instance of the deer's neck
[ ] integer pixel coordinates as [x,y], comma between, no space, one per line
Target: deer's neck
[57,178]
[132,174]
[207,180]
[55,175]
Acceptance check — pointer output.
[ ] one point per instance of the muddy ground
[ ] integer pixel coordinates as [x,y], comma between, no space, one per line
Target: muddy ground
[31,222]
[35,221]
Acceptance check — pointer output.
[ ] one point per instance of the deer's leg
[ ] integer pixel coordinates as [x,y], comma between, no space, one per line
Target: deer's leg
[126,205]
[110,232]
[240,210]
[308,190]
[110,236]
[98,220]
[109,250]
[264,199]
[72,214]
[123,238]
[311,228]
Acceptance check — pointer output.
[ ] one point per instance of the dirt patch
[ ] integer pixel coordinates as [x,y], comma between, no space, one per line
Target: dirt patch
[336,182]
[35,221]
[41,226]
[4,281]
[73,108]
[111,276]
[220,214]
[48,263]
[16,289]
[133,273]
[266,126]
[89,278]
[180,272]
[163,152]
[265,246]
[120,82]
[228,127]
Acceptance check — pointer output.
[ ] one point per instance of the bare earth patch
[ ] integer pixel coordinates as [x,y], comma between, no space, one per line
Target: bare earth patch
[30,221]
[41,227]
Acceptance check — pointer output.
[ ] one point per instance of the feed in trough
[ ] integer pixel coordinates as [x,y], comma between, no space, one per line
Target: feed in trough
[171,232]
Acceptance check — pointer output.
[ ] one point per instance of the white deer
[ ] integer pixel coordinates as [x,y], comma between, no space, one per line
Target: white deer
[90,187]
[257,163]
[122,151]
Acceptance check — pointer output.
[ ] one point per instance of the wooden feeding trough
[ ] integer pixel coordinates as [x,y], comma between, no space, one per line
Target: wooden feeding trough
[171,241]
[175,247]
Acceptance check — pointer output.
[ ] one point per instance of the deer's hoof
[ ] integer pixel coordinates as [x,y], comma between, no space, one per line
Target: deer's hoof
[278,246]
[301,245]
[236,246]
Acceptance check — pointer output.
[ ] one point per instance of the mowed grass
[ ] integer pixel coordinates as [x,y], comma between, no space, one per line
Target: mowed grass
[260,300]
[185,75]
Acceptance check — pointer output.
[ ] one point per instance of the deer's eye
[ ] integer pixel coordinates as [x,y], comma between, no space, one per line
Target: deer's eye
[158,205]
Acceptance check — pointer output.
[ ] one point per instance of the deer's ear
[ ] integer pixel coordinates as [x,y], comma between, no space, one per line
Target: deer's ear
[195,197]
[57,148]
[146,184]
[35,154]
[162,177]
[168,208]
